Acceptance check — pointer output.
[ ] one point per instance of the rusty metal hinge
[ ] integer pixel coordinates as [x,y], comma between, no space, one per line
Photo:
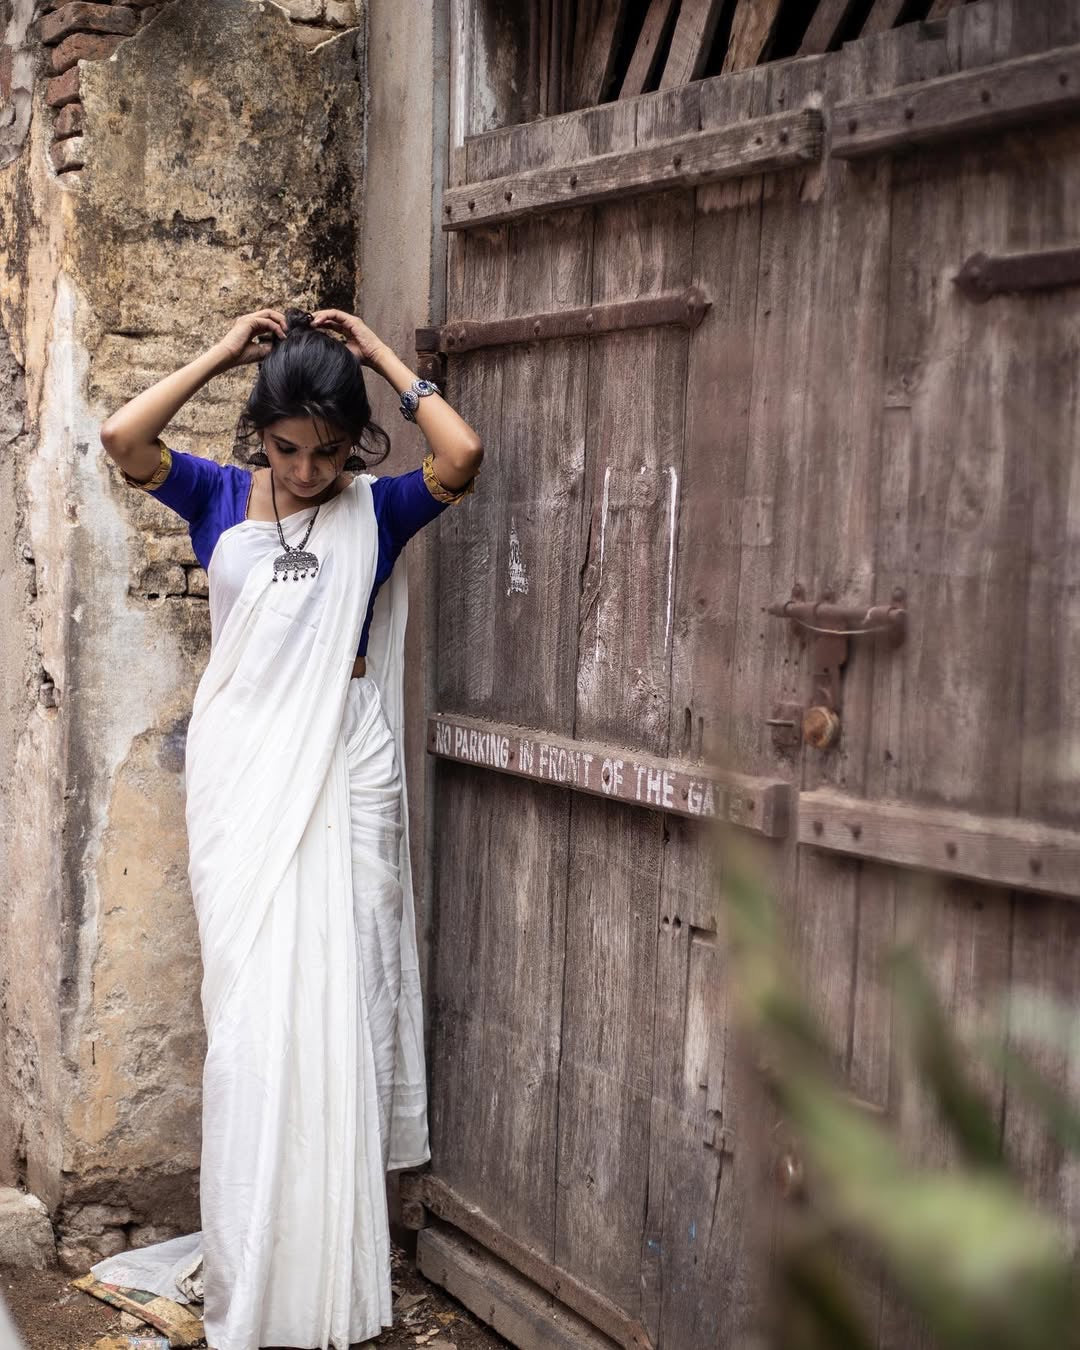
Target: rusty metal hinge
[1043,269]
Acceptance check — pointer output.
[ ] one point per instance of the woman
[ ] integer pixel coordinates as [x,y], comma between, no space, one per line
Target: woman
[297,835]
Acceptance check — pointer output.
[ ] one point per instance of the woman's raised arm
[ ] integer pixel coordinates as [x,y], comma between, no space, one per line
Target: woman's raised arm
[130,435]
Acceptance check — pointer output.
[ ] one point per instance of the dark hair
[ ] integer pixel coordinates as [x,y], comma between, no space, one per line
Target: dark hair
[309,373]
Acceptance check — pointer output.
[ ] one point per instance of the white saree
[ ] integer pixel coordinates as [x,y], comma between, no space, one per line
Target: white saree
[314,1080]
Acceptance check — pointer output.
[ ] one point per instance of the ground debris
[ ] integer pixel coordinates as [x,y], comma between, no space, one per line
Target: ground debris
[407,1301]
[176,1320]
[52,1316]
[131,1341]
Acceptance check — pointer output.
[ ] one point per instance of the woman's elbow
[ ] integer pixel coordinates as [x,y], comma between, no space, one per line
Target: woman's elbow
[472,456]
[111,438]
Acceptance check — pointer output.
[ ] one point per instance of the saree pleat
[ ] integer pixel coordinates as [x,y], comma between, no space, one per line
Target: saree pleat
[314,1076]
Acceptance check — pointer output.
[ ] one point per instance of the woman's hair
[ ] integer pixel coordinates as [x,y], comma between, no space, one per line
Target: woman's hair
[310,374]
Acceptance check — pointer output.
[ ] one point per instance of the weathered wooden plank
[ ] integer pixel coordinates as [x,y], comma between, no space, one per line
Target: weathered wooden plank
[604,770]
[707,1231]
[685,309]
[593,75]
[940,8]
[542,446]
[764,145]
[1046,932]
[837,524]
[751,30]
[691,41]
[642,66]
[496,1003]
[469,1218]
[634,446]
[953,548]
[605,1080]
[837,528]
[1026,90]
[499,1296]
[634,454]
[824,28]
[501,1023]
[882,17]
[1045,941]
[1006,852]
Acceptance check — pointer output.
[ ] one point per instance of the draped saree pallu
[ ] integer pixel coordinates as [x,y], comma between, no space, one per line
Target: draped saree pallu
[314,1080]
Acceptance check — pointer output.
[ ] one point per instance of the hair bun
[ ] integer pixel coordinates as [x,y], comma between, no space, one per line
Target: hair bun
[297,321]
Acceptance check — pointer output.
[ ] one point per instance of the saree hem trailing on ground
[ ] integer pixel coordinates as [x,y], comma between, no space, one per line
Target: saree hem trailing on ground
[314,1080]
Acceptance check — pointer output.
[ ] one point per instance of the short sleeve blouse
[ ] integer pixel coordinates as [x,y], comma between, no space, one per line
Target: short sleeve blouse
[213,497]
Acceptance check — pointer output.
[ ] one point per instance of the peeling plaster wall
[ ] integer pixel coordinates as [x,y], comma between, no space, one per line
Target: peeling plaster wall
[223,170]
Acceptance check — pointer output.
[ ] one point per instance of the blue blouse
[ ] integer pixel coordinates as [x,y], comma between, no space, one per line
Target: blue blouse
[213,497]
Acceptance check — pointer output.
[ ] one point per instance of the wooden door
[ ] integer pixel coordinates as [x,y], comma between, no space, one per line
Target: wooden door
[714,341]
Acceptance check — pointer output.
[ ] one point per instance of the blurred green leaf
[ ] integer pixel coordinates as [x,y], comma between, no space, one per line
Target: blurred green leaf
[1060,1115]
[938,1057]
[825,1304]
[982,1267]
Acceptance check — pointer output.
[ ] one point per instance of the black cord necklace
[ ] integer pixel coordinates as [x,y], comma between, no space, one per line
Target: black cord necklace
[294,559]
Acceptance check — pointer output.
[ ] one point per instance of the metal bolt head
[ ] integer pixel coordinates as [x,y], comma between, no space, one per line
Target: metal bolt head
[790,1178]
[821,728]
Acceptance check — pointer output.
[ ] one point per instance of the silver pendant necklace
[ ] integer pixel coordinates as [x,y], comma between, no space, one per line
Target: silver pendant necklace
[295,559]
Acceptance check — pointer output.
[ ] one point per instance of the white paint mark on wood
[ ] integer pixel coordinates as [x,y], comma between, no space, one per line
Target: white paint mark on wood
[673,479]
[600,580]
[519,578]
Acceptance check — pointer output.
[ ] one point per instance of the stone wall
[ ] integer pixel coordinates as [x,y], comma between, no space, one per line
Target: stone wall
[214,164]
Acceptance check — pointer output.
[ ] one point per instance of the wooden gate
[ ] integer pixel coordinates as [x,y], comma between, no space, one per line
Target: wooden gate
[771,341]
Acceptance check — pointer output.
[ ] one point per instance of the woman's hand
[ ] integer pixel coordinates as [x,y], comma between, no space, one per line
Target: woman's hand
[359,338]
[240,345]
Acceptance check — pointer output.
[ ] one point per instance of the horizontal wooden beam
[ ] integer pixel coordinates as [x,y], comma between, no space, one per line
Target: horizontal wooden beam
[1028,89]
[762,145]
[683,309]
[1019,854]
[758,804]
[500,1296]
[461,1214]
[1044,269]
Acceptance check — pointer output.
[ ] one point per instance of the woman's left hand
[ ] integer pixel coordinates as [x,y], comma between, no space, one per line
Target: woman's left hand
[359,338]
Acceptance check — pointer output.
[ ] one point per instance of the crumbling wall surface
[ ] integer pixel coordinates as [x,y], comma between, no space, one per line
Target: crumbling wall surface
[221,171]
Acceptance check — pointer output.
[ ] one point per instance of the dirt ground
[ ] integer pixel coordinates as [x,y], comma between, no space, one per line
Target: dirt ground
[51,1315]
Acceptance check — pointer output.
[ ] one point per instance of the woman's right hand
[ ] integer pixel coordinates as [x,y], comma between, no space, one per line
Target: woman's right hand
[240,345]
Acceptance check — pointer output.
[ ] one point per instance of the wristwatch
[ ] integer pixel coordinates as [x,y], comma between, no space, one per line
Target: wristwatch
[410,399]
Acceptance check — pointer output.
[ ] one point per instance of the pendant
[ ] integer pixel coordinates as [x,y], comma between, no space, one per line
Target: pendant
[298,562]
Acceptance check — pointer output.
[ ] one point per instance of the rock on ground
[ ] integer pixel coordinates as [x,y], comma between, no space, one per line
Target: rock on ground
[26,1235]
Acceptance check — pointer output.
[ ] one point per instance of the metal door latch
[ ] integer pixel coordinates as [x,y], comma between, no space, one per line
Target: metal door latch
[830,627]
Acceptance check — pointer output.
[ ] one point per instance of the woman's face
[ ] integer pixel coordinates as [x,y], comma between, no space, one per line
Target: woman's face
[306,457]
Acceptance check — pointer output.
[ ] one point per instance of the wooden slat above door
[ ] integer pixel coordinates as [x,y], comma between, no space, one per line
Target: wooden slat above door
[1026,90]
[763,145]
[590,51]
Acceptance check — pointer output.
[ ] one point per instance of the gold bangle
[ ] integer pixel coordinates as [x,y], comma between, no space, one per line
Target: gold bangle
[160,473]
[436,488]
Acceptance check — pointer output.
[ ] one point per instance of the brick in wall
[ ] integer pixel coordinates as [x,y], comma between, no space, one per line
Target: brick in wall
[63,89]
[67,155]
[79,17]
[69,121]
[81,47]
